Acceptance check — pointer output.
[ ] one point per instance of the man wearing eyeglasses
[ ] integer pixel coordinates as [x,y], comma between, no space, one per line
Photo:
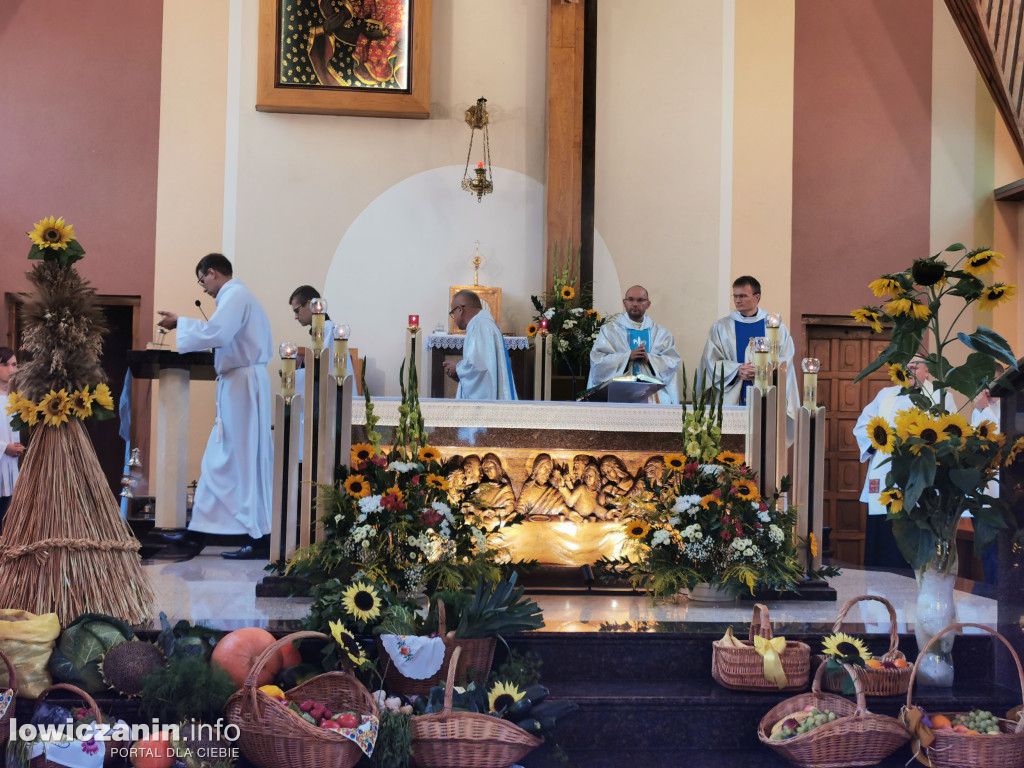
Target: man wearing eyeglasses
[234,490]
[726,354]
[485,370]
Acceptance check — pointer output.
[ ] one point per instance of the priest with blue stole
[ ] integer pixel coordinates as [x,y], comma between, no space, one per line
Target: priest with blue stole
[485,370]
[632,343]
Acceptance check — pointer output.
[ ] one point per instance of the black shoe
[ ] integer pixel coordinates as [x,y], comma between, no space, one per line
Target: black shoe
[180,537]
[258,549]
[178,552]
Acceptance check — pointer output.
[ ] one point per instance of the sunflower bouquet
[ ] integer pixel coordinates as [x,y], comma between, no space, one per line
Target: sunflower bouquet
[55,407]
[572,322]
[940,464]
[708,523]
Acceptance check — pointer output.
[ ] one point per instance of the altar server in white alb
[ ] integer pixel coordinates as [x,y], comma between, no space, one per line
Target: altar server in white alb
[632,343]
[234,490]
[485,370]
[726,351]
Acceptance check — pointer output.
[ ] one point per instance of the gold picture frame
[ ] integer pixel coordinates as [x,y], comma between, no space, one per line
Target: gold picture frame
[290,30]
[491,295]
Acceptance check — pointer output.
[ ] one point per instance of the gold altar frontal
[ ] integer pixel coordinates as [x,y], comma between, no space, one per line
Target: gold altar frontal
[564,466]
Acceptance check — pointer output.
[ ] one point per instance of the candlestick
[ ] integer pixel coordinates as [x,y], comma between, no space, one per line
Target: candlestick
[318,308]
[289,352]
[762,377]
[414,323]
[543,327]
[772,324]
[810,366]
[341,334]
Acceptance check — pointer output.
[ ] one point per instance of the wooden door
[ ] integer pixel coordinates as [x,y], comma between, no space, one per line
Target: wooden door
[844,348]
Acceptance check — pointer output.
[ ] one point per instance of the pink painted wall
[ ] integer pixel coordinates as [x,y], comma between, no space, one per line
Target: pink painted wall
[79,123]
[862,148]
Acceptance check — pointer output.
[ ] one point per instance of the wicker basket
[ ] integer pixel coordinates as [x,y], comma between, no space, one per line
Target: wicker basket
[742,669]
[476,658]
[855,737]
[40,761]
[876,682]
[12,686]
[449,739]
[955,750]
[273,737]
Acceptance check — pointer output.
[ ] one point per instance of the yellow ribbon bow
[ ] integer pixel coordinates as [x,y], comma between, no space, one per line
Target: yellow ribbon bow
[772,650]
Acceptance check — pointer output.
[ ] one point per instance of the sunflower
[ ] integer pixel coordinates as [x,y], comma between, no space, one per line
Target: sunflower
[915,309]
[995,295]
[54,408]
[843,647]
[14,402]
[955,425]
[361,452]
[812,543]
[344,638]
[730,458]
[747,490]
[675,461]
[29,412]
[357,486]
[710,499]
[898,374]
[531,330]
[905,420]
[52,233]
[361,601]
[892,498]
[397,492]
[567,292]
[636,529]
[437,481]
[887,287]
[986,430]
[982,262]
[868,315]
[101,396]
[502,696]
[880,434]
[927,430]
[1015,451]
[428,453]
[81,403]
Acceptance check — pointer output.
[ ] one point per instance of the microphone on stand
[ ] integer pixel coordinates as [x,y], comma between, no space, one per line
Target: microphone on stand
[200,305]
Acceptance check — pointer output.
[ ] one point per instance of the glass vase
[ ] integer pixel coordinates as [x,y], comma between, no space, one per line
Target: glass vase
[936,610]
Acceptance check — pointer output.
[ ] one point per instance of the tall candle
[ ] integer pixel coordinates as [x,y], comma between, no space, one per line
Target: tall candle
[341,333]
[762,377]
[414,322]
[810,367]
[318,308]
[772,324]
[288,352]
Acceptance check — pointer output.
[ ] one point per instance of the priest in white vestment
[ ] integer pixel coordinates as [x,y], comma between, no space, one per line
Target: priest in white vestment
[632,343]
[727,352]
[233,495]
[485,370]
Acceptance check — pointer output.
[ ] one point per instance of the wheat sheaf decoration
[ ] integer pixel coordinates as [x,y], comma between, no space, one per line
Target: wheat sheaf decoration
[65,547]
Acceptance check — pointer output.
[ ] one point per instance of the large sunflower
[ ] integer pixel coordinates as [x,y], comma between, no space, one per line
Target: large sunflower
[54,408]
[955,425]
[995,295]
[905,420]
[355,652]
[81,403]
[14,402]
[928,431]
[428,453]
[567,292]
[730,458]
[981,262]
[361,601]
[28,412]
[675,461]
[636,529]
[746,489]
[436,481]
[531,330]
[887,287]
[843,647]
[357,486]
[52,233]
[502,696]
[361,452]
[102,397]
[880,434]
[898,374]
[986,430]
[915,309]
[868,315]
[892,498]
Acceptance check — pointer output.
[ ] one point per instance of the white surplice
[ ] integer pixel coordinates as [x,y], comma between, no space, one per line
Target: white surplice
[234,491]
[609,356]
[8,464]
[485,370]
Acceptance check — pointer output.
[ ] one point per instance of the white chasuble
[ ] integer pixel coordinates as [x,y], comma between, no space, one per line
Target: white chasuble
[609,356]
[485,370]
[235,485]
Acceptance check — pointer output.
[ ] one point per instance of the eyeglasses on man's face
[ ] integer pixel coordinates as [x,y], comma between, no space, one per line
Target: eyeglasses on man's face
[743,296]
[202,277]
[455,309]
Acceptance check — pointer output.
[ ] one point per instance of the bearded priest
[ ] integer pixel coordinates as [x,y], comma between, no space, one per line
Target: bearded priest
[634,344]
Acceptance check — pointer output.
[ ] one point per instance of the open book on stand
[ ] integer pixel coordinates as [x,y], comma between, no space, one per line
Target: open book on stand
[630,388]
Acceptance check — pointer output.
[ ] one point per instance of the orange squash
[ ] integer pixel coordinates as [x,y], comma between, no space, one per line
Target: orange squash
[237,651]
[290,656]
[154,752]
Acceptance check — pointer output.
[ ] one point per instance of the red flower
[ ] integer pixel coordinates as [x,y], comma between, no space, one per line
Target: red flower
[691,469]
[763,507]
[393,502]
[379,460]
[717,493]
[430,517]
[415,480]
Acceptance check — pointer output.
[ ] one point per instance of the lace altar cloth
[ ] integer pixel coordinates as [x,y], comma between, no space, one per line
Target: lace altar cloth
[455,341]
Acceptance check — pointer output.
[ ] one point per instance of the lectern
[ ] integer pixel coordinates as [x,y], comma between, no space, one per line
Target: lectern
[174,371]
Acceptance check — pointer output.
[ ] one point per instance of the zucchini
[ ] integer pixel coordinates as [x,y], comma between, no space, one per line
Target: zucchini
[531,725]
[556,708]
[531,697]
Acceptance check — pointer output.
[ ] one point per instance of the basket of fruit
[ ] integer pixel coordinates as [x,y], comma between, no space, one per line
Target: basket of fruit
[467,739]
[740,664]
[824,730]
[977,739]
[887,675]
[330,719]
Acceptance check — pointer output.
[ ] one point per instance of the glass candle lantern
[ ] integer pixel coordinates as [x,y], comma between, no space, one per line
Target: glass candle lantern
[341,334]
[289,352]
[414,323]
[543,327]
[318,310]
[810,366]
[772,324]
[762,366]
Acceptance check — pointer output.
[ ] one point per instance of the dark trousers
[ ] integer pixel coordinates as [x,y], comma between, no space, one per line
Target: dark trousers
[880,549]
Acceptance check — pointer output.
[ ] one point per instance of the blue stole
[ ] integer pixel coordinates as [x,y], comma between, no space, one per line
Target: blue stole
[635,339]
[744,333]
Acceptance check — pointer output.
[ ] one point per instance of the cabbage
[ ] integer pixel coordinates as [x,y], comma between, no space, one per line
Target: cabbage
[80,649]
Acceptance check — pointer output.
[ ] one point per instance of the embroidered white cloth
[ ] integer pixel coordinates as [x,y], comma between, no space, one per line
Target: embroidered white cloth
[414,656]
[455,341]
[74,754]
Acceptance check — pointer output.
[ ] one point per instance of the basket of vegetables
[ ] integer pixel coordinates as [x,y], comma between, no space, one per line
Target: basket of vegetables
[887,675]
[824,730]
[977,739]
[275,734]
[467,739]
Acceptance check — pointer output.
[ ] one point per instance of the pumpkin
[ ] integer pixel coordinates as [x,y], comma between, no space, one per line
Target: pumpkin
[237,651]
[153,752]
[290,656]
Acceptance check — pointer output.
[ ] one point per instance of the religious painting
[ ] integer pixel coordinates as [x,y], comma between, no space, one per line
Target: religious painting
[488,294]
[345,57]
